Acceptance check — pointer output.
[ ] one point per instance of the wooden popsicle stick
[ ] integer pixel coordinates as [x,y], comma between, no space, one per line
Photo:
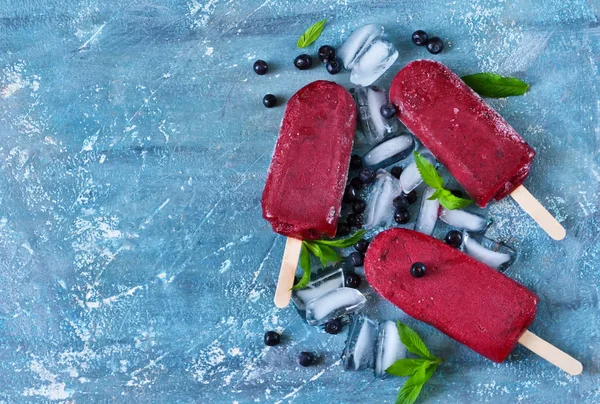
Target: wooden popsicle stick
[287,272]
[551,353]
[535,209]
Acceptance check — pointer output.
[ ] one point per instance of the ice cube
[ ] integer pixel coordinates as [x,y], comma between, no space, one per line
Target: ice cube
[335,303]
[428,213]
[374,126]
[360,346]
[410,177]
[389,347]
[465,220]
[491,253]
[380,206]
[373,62]
[354,44]
[389,152]
[328,280]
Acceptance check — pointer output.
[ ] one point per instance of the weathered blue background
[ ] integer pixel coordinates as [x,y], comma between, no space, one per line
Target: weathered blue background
[134,262]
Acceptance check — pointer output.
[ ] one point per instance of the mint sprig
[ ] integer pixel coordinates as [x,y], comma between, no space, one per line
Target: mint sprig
[420,370]
[435,181]
[495,86]
[311,34]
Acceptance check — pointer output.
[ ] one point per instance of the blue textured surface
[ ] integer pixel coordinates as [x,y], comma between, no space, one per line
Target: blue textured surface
[134,262]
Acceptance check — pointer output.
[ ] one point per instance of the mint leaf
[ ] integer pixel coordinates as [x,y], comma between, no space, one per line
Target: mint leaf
[437,194]
[413,342]
[328,255]
[406,367]
[495,86]
[305,265]
[345,242]
[413,386]
[311,34]
[451,202]
[428,171]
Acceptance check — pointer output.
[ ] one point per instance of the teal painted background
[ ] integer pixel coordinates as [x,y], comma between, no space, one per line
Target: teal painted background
[134,262]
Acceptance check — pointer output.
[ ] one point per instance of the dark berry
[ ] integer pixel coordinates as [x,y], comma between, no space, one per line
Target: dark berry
[396,171]
[412,196]
[350,194]
[355,162]
[401,202]
[261,67]
[269,101]
[355,220]
[435,45]
[417,269]
[306,359]
[362,246]
[353,280]
[454,238]
[387,110]
[343,229]
[457,193]
[326,53]
[419,38]
[367,175]
[356,183]
[356,259]
[333,66]
[333,326]
[303,62]
[272,338]
[402,216]
[359,206]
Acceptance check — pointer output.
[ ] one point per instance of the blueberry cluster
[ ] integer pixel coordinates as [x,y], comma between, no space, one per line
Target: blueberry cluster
[434,44]
[402,201]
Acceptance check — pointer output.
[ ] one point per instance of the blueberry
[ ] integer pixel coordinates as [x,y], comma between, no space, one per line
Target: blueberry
[334,326]
[435,45]
[326,53]
[355,162]
[269,100]
[396,171]
[412,196]
[350,194]
[333,66]
[306,359]
[362,246]
[402,216]
[355,219]
[359,206]
[261,67]
[367,175]
[356,259]
[418,269]
[400,202]
[303,62]
[454,238]
[457,193]
[356,183]
[272,338]
[343,229]
[387,110]
[353,280]
[419,38]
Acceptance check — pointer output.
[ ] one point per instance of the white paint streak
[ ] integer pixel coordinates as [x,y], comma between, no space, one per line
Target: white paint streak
[53,390]
[93,37]
[312,379]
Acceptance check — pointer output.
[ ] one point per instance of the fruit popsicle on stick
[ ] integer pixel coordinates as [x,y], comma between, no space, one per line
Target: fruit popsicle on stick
[477,146]
[461,297]
[305,184]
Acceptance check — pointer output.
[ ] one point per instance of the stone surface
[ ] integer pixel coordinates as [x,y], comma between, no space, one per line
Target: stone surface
[134,262]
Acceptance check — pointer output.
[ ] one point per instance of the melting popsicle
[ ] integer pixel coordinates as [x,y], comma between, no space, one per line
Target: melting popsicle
[479,148]
[463,298]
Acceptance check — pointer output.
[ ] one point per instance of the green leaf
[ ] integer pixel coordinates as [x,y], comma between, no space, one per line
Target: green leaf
[413,386]
[311,34]
[438,193]
[305,265]
[406,367]
[428,172]
[328,255]
[344,242]
[495,86]
[413,342]
[451,202]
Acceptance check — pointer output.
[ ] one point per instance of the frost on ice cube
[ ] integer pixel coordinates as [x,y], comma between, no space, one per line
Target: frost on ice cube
[360,346]
[410,177]
[389,347]
[491,253]
[380,206]
[389,152]
[354,44]
[326,281]
[374,126]
[335,303]
[428,213]
[464,220]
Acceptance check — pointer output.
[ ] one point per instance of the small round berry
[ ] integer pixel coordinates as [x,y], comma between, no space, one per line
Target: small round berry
[303,62]
[343,229]
[350,194]
[402,216]
[359,206]
[333,66]
[355,162]
[419,37]
[306,359]
[269,101]
[435,45]
[272,338]
[362,246]
[355,219]
[418,269]
[412,196]
[388,111]
[367,175]
[457,193]
[401,202]
[356,183]
[353,280]
[326,53]
[261,67]
[334,326]
[356,259]
[454,238]
[396,171]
